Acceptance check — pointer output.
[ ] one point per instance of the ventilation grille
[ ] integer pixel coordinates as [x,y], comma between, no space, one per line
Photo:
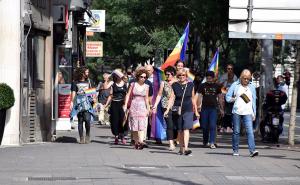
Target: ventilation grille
[32,116]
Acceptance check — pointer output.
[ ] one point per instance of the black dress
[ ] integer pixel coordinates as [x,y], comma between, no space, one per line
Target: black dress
[185,120]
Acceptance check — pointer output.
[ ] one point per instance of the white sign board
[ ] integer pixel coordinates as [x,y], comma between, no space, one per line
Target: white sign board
[269,19]
[94,49]
[98,23]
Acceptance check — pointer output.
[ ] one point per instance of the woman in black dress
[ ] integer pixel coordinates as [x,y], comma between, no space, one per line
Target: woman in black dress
[183,95]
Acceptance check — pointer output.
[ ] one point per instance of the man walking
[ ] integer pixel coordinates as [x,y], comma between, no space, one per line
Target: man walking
[242,93]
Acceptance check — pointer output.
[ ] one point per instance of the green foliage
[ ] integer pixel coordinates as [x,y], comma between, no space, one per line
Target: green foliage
[7,98]
[137,29]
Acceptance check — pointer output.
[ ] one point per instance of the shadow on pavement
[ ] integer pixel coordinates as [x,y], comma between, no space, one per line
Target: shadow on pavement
[145,174]
[163,152]
[66,139]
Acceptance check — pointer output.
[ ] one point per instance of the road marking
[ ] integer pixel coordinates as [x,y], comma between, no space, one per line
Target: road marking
[253,178]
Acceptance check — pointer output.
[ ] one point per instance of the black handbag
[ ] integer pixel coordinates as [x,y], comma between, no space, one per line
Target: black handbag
[177,109]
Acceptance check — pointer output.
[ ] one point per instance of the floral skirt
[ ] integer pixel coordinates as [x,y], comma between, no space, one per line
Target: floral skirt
[137,123]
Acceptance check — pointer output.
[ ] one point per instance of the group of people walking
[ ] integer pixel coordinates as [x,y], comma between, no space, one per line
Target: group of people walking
[128,103]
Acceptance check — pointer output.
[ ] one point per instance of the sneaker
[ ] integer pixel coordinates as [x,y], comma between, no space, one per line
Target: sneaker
[205,145]
[236,154]
[87,140]
[180,152]
[188,152]
[229,130]
[212,146]
[81,141]
[254,153]
[124,141]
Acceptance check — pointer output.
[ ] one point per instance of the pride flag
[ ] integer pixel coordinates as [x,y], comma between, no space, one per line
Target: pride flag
[158,124]
[90,91]
[214,65]
[178,52]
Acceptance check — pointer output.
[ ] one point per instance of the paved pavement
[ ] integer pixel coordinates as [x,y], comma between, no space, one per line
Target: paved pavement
[65,162]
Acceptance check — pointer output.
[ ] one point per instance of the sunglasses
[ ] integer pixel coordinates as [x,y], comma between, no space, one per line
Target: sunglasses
[229,68]
[181,75]
[144,77]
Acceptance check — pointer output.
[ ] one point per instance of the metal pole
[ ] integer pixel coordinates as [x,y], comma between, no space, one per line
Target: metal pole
[249,19]
[266,79]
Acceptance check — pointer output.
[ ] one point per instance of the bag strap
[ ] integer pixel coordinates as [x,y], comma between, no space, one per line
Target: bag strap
[131,93]
[183,95]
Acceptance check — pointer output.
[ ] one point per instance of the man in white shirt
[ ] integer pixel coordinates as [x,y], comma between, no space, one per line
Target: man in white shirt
[243,94]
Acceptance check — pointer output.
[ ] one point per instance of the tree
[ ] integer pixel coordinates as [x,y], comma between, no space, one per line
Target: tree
[294,99]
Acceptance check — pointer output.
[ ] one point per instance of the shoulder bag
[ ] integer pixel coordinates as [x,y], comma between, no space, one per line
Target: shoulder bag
[177,109]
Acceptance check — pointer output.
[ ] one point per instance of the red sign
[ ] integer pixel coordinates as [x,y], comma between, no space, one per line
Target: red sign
[64,100]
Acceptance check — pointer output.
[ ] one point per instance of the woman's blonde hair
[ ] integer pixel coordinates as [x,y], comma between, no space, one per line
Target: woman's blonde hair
[181,71]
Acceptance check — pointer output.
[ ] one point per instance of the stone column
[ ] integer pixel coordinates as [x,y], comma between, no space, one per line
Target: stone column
[10,41]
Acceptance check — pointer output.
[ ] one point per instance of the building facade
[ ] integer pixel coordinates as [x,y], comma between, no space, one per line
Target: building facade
[31,31]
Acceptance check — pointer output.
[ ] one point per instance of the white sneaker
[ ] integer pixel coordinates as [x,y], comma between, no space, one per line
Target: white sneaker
[236,154]
[254,153]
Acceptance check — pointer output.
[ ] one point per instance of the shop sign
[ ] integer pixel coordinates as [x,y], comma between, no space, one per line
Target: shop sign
[97,22]
[94,49]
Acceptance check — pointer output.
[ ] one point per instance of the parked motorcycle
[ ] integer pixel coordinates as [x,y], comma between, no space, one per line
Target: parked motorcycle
[272,125]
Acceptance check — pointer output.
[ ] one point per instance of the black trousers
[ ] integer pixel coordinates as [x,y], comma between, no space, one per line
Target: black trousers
[171,129]
[116,118]
[84,117]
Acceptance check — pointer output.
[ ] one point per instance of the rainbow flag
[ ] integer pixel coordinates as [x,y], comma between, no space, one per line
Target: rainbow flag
[90,91]
[178,52]
[158,124]
[214,64]
[190,75]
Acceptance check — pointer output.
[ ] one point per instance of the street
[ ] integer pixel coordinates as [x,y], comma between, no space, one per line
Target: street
[66,162]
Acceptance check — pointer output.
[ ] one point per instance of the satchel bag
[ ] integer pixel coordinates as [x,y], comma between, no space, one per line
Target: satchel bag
[130,97]
[177,109]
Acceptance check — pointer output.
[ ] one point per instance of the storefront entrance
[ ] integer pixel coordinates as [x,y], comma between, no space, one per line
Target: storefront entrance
[32,127]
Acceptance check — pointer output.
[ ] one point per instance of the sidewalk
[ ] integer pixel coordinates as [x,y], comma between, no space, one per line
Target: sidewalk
[65,162]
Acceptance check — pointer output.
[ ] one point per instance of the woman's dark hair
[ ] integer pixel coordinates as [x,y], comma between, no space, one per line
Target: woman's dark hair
[179,61]
[210,73]
[170,69]
[79,73]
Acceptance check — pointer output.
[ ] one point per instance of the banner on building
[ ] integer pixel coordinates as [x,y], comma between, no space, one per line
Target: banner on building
[94,49]
[97,21]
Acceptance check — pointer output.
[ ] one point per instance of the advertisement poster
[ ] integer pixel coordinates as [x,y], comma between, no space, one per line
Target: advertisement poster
[64,100]
[94,49]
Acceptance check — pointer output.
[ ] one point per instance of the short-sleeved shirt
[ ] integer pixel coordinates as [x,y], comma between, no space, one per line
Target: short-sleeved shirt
[80,86]
[210,93]
[187,104]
